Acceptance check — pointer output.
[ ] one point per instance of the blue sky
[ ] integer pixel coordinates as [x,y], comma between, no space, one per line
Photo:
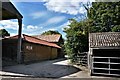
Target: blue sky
[44,15]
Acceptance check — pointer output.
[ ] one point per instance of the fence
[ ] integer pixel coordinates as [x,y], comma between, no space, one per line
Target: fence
[82,59]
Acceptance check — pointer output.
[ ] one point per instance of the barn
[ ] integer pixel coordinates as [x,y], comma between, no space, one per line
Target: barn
[104,53]
[33,49]
[54,38]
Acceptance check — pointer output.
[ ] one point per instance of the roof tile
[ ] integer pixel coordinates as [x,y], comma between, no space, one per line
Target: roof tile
[35,40]
[106,39]
[49,38]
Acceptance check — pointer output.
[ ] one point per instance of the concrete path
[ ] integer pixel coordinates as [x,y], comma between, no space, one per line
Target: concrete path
[59,68]
[53,68]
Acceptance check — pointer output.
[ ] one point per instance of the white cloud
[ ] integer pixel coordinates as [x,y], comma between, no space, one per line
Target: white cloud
[55,0]
[9,24]
[64,25]
[37,15]
[82,10]
[61,27]
[13,34]
[72,7]
[52,29]
[32,30]
[32,27]
[44,30]
[53,20]
[1,27]
[31,33]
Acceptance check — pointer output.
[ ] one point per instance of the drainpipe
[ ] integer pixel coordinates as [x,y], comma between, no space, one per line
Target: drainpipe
[19,46]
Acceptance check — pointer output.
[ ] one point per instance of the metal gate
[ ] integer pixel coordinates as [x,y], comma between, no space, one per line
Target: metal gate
[106,63]
[82,59]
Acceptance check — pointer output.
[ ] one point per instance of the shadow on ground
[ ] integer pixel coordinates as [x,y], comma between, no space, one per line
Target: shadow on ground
[46,69]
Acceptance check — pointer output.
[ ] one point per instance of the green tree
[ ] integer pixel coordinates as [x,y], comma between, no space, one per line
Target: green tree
[105,15]
[116,28]
[4,33]
[61,40]
[50,32]
[77,39]
[101,17]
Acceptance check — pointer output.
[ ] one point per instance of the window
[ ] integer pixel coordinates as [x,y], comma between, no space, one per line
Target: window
[29,47]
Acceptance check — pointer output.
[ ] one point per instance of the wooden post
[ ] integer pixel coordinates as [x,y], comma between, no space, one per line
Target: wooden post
[19,56]
[0,38]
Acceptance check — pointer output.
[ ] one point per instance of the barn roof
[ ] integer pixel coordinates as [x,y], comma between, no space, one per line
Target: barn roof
[104,39]
[35,40]
[49,38]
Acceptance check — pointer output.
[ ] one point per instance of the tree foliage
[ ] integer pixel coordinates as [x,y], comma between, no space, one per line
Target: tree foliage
[77,39]
[105,16]
[101,17]
[50,32]
[4,33]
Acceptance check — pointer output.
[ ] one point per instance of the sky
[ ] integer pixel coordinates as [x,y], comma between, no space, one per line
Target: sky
[43,15]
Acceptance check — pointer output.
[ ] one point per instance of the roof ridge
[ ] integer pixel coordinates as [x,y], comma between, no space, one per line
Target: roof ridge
[49,38]
[42,40]
[103,32]
[108,39]
[47,34]
[36,38]
[12,36]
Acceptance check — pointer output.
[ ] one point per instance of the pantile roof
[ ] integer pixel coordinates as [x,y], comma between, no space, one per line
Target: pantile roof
[49,38]
[104,39]
[35,40]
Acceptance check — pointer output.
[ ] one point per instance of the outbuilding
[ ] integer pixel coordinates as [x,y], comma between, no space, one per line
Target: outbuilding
[104,53]
[8,11]
[33,49]
[54,38]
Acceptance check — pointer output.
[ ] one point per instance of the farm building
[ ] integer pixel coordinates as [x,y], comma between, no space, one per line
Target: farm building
[33,49]
[104,53]
[54,38]
[9,11]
